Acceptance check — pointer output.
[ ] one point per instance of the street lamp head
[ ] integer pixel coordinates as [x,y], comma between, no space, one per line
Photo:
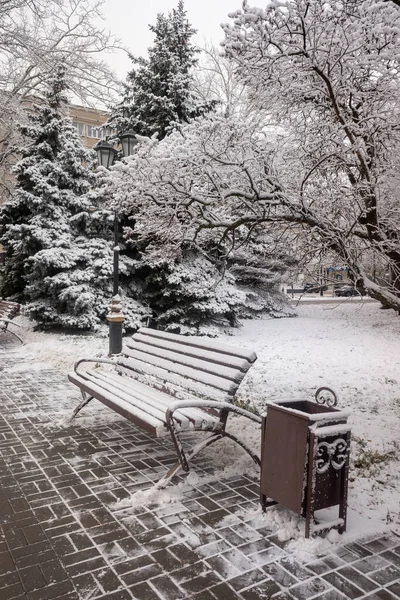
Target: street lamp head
[105,154]
[128,141]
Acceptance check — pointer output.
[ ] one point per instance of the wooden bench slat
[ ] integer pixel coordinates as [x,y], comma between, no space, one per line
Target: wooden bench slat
[185,377]
[148,400]
[132,402]
[152,355]
[151,424]
[192,414]
[209,355]
[201,342]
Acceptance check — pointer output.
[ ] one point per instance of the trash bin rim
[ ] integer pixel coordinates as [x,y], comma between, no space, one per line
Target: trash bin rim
[332,414]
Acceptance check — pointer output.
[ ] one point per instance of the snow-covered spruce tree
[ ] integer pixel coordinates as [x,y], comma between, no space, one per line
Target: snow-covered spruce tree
[60,257]
[192,277]
[159,91]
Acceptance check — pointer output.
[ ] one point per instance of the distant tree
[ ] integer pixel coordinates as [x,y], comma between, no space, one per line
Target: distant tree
[215,81]
[36,36]
[159,92]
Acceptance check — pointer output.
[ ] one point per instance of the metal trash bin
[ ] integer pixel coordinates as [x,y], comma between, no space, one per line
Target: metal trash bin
[305,460]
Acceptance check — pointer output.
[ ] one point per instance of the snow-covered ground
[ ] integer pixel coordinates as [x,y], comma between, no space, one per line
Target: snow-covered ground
[353,348]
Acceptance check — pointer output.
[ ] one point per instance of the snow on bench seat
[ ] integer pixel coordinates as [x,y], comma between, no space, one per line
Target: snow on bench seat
[136,400]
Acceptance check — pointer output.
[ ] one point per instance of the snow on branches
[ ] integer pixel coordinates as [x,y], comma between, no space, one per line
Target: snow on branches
[195,200]
[329,74]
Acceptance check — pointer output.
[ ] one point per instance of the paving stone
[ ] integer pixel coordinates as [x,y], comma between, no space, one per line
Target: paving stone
[343,585]
[318,567]
[386,575]
[118,595]
[80,556]
[223,567]
[372,563]
[86,566]
[32,578]
[330,595]
[184,554]
[309,588]
[231,536]
[167,589]
[358,549]
[86,586]
[394,588]
[392,557]
[267,556]
[53,571]
[280,575]
[108,580]
[299,572]
[247,579]
[347,555]
[14,591]
[258,545]
[168,561]
[222,591]
[215,517]
[381,594]
[364,583]
[204,595]
[14,539]
[141,574]
[261,591]
[379,544]
[143,591]
[50,592]
[201,582]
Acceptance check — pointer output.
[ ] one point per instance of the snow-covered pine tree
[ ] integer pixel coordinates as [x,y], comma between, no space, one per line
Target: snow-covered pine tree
[159,91]
[60,252]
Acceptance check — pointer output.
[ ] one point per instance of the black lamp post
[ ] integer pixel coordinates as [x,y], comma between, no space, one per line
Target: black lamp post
[105,157]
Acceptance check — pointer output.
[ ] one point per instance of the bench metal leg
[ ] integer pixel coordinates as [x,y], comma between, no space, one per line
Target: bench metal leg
[183,460]
[86,400]
[164,481]
[185,457]
[14,334]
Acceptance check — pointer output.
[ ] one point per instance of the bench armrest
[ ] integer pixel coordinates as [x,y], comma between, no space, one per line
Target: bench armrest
[211,404]
[4,320]
[95,360]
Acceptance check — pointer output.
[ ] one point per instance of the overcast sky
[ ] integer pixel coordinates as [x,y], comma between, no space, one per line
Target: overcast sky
[129,20]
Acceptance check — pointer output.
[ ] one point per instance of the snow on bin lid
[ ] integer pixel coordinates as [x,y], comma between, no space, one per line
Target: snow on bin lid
[309,410]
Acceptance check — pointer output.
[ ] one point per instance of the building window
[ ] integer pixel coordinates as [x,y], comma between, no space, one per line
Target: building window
[94,132]
[80,127]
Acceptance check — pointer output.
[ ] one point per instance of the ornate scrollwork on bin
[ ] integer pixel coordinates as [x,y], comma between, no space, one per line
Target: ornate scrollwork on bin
[325,395]
[331,453]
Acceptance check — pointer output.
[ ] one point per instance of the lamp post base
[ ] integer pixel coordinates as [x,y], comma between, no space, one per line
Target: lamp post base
[115,320]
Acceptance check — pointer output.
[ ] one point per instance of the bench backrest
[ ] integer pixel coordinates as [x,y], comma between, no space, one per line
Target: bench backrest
[9,310]
[201,366]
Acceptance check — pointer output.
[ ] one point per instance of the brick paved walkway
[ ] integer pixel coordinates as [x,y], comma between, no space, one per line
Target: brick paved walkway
[64,536]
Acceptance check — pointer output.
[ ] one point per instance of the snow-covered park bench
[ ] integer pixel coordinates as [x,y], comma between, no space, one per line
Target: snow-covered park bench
[9,310]
[169,384]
